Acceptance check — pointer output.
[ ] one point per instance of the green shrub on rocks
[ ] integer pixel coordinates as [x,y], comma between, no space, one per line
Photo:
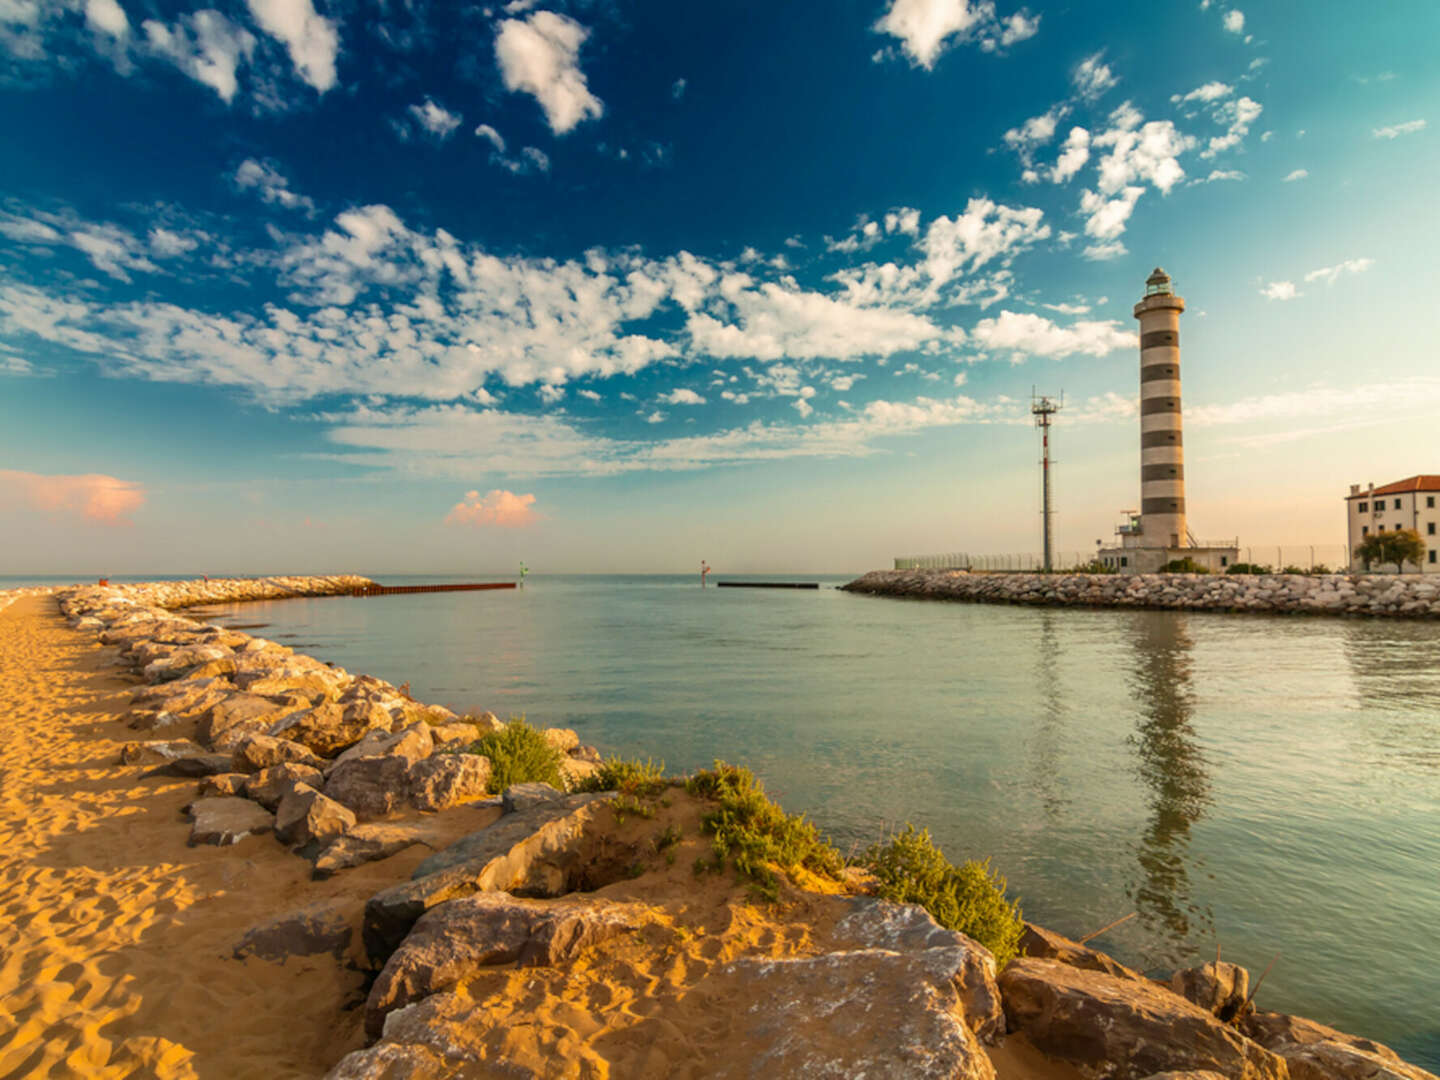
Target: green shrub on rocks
[519,754]
[969,898]
[1250,568]
[1187,565]
[755,833]
[629,777]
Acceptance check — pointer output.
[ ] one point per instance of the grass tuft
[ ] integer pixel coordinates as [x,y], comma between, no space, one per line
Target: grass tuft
[969,898]
[642,779]
[750,830]
[519,754]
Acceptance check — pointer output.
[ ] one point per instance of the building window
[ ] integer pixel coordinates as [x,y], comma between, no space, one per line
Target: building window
[1364,507]
[1432,556]
[1397,504]
[1429,502]
[1224,561]
[1430,528]
[1364,530]
[1124,561]
[1379,528]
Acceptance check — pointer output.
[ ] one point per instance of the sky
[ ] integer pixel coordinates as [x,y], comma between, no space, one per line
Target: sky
[402,286]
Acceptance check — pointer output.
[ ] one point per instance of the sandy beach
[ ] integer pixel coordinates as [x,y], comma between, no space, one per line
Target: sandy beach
[116,937]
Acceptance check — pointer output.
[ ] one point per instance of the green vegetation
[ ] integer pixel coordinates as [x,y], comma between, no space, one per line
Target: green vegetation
[1094,566]
[519,754]
[752,831]
[1249,568]
[1398,547]
[634,777]
[1187,565]
[969,898]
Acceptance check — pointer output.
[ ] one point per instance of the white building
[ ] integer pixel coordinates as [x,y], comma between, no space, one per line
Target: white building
[1405,504]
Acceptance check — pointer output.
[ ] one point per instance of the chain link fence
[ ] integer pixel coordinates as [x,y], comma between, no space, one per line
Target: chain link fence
[1303,558]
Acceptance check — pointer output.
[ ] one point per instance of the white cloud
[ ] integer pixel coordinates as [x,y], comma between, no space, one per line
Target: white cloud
[802,406]
[1396,130]
[485,131]
[1420,393]
[1036,131]
[549,394]
[206,46]
[435,118]
[1140,151]
[1329,274]
[1105,252]
[1298,174]
[266,179]
[656,417]
[1234,21]
[682,396]
[498,508]
[1221,174]
[1022,333]
[541,56]
[1068,309]
[842,383]
[110,249]
[1211,91]
[310,38]
[1074,152]
[107,16]
[1106,217]
[589,395]
[1239,114]
[1093,77]
[927,28]
[732,396]
[904,220]
[1279,290]
[168,244]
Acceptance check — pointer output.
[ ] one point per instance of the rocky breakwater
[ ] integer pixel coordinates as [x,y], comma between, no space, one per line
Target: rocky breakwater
[1414,596]
[280,742]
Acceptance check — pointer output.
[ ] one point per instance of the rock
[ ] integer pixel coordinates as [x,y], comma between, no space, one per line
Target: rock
[269,786]
[451,942]
[230,783]
[536,851]
[330,728]
[305,816]
[1045,944]
[909,928]
[587,753]
[1316,1052]
[255,752]
[186,698]
[1217,987]
[239,714]
[1185,1074]
[487,723]
[575,772]
[1123,1028]
[367,843]
[194,766]
[319,928]
[521,797]
[411,743]
[220,820]
[152,751]
[370,786]
[453,736]
[446,780]
[562,739]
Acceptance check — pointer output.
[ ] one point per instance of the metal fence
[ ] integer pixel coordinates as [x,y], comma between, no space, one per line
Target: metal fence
[1303,557]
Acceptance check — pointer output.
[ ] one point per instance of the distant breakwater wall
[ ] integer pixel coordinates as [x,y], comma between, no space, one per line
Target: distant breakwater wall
[1282,594]
[182,594]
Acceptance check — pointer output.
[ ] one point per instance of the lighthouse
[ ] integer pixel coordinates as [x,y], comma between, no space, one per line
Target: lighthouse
[1158,535]
[1162,453]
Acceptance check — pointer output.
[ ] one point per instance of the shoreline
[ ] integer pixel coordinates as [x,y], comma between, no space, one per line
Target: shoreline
[1347,595]
[169,665]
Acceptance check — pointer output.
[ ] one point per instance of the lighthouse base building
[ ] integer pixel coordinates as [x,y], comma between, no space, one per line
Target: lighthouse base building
[1157,535]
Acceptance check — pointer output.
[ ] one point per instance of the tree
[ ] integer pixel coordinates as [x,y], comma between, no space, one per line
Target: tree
[1398,547]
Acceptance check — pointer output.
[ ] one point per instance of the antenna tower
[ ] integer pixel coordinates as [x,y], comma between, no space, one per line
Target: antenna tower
[1043,408]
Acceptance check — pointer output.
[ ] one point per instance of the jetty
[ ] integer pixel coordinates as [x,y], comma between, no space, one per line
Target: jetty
[399,590]
[767,584]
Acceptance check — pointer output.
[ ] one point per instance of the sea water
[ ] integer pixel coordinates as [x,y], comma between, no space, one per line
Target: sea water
[1267,785]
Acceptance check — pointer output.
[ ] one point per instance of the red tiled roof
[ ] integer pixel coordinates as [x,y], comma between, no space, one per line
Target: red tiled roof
[1399,487]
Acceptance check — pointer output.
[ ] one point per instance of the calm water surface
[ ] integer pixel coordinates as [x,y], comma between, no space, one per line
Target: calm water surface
[1269,785]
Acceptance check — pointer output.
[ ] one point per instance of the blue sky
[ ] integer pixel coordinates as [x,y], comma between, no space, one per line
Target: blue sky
[410,286]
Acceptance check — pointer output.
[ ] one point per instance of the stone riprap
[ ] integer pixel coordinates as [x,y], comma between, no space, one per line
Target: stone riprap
[1414,596]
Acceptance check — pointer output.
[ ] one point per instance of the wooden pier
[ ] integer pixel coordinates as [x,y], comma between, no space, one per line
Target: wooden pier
[767,584]
[400,590]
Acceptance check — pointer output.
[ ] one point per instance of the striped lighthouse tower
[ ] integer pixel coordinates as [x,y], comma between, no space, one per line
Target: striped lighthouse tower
[1162,455]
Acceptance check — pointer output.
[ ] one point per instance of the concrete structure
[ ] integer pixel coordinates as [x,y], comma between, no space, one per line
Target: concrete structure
[1413,503]
[1159,533]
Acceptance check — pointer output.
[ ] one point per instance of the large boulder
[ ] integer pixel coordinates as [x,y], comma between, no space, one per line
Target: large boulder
[909,928]
[446,780]
[370,786]
[457,735]
[412,743]
[456,939]
[1217,987]
[1122,1028]
[305,816]
[330,728]
[154,751]
[319,928]
[537,852]
[562,739]
[269,786]
[367,843]
[254,752]
[238,714]
[230,783]
[518,798]
[1045,944]
[1316,1052]
[221,820]
[194,766]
